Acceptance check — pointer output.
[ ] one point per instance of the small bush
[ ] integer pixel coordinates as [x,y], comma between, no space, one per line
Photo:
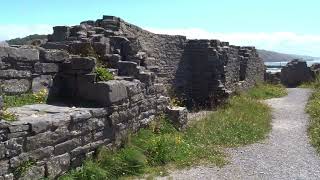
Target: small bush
[103,74]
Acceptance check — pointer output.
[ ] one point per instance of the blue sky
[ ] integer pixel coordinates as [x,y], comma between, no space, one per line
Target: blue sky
[283,25]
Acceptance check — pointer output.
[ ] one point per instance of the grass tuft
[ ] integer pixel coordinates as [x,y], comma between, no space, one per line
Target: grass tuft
[25,99]
[267,91]
[313,109]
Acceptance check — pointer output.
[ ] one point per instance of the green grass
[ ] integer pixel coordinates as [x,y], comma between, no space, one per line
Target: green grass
[312,84]
[313,109]
[243,120]
[267,91]
[25,99]
[21,100]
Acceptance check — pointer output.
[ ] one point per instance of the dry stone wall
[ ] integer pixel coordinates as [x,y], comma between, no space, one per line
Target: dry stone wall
[53,138]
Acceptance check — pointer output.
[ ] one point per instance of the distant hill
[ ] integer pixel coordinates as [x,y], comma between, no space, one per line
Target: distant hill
[27,39]
[271,56]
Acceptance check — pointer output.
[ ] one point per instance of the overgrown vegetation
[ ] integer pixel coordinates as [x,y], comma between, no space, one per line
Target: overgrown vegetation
[103,74]
[21,100]
[313,109]
[242,120]
[267,91]
[25,99]
[315,84]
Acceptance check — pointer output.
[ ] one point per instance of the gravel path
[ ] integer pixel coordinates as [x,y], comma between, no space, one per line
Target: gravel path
[285,154]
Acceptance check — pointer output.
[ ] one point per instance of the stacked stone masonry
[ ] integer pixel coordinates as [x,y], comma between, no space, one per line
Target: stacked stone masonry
[57,137]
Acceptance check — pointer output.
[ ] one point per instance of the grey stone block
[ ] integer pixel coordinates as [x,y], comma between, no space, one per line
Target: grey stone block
[16,86]
[67,146]
[4,167]
[105,93]
[35,172]
[53,56]
[80,116]
[36,155]
[12,73]
[81,64]
[19,54]
[42,82]
[178,116]
[128,68]
[58,165]
[44,68]
[14,147]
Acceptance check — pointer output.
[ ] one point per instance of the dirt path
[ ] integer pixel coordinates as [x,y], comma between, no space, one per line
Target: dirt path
[285,154]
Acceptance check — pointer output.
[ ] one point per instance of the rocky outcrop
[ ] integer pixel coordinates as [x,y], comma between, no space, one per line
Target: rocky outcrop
[295,73]
[315,70]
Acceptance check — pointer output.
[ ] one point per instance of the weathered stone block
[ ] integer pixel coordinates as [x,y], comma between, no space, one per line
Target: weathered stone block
[18,127]
[67,146]
[105,93]
[4,167]
[44,68]
[178,116]
[12,73]
[58,165]
[13,146]
[36,155]
[35,172]
[60,33]
[80,116]
[53,56]
[128,68]
[16,86]
[42,82]
[19,54]
[47,138]
[80,63]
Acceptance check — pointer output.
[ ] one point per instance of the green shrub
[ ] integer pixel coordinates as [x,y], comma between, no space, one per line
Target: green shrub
[103,74]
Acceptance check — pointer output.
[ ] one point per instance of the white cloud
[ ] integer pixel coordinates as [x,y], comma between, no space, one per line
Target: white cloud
[286,42]
[10,31]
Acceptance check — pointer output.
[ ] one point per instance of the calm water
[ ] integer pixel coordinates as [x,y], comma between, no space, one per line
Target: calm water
[283,63]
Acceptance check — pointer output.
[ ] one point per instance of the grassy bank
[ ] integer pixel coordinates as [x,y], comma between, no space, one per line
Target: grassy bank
[267,91]
[313,109]
[242,120]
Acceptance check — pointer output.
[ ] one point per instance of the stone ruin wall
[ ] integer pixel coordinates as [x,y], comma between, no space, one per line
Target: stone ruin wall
[143,64]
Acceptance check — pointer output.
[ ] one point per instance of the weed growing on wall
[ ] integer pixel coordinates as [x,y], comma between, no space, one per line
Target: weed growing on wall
[103,74]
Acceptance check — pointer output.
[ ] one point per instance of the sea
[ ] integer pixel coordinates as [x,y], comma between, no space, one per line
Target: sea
[283,63]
